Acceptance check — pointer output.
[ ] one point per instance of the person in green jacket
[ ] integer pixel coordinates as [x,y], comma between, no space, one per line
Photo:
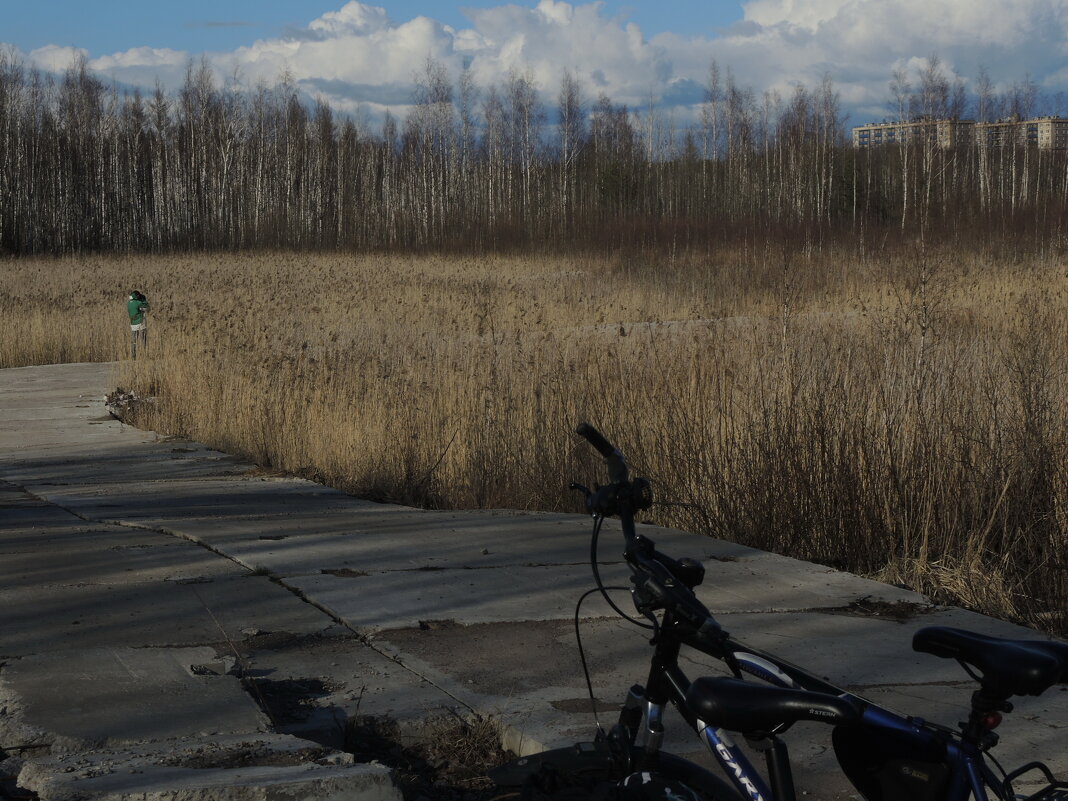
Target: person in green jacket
[137,308]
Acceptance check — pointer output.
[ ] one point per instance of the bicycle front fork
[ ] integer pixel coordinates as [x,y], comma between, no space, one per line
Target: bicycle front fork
[641,723]
[640,730]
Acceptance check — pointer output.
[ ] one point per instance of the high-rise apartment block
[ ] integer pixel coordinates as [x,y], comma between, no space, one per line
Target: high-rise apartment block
[1047,133]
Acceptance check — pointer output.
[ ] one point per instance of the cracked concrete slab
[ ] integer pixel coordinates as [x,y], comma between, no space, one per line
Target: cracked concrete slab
[112,558]
[545,699]
[530,586]
[154,460]
[181,612]
[180,497]
[76,532]
[402,599]
[27,521]
[462,610]
[77,594]
[246,768]
[120,695]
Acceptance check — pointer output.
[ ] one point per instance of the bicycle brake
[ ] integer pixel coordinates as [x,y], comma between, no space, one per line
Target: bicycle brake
[641,493]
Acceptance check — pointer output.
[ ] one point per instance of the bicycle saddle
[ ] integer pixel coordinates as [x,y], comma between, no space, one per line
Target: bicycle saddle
[1008,667]
[743,706]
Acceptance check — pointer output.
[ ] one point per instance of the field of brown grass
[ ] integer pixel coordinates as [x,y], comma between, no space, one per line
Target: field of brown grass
[900,415]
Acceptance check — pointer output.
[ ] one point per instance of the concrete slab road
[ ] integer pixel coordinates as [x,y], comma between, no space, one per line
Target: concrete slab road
[141,576]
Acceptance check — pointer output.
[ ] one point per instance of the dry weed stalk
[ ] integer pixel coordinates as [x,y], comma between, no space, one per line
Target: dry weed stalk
[919,430]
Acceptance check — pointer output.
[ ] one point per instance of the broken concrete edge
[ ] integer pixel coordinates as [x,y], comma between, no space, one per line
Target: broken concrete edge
[385,650]
[62,767]
[15,734]
[65,768]
[523,740]
[195,768]
[519,742]
[187,776]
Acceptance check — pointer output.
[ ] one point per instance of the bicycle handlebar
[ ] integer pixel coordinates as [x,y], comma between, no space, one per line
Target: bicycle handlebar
[617,465]
[597,440]
[658,579]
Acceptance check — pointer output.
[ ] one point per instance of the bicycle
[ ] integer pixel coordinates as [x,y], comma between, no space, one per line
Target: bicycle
[887,757]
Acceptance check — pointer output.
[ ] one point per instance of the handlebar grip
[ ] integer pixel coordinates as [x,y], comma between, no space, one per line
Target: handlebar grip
[596,439]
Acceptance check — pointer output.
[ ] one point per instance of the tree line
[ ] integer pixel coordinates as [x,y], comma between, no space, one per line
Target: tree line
[85,167]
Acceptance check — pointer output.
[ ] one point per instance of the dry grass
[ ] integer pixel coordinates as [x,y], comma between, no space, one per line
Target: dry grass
[448,757]
[902,414]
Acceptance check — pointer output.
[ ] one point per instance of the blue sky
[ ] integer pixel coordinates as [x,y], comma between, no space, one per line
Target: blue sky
[109,26]
[363,58]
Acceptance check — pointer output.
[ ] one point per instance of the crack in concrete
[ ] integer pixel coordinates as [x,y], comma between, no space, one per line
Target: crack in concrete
[365,640]
[279,580]
[889,685]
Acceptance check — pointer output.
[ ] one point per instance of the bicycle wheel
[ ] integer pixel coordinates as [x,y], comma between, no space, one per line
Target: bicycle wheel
[586,772]
[671,777]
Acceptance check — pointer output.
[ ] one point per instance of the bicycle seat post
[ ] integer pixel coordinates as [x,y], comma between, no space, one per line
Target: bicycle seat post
[777,756]
[984,718]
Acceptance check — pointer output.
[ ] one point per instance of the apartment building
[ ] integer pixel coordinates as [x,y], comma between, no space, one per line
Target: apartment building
[943,133]
[1046,133]
[1051,133]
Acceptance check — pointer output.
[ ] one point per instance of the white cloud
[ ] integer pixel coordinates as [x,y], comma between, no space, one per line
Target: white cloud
[55,58]
[356,46]
[353,19]
[555,36]
[141,57]
[358,53]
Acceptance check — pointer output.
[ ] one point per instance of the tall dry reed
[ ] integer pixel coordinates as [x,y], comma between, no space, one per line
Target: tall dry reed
[901,415]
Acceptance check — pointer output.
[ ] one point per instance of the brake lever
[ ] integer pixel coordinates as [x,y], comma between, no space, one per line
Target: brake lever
[646,606]
[587,495]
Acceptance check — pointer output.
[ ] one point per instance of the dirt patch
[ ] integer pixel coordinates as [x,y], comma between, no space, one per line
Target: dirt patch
[215,756]
[448,761]
[259,640]
[440,759]
[443,645]
[264,472]
[289,701]
[447,758]
[438,625]
[897,611]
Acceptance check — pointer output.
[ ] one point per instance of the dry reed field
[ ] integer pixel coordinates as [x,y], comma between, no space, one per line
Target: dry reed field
[900,414]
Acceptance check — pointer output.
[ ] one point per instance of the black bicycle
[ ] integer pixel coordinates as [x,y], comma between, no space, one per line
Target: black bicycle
[886,756]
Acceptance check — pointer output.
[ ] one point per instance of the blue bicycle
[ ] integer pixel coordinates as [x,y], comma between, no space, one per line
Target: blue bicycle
[886,756]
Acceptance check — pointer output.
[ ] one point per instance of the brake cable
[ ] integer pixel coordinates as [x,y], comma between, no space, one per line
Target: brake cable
[603,590]
[598,522]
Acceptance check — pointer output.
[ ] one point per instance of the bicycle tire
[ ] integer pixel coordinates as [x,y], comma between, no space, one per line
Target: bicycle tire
[697,778]
[577,773]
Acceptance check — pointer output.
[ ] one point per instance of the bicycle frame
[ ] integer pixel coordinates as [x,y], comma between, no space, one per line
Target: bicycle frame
[914,759]
[969,775]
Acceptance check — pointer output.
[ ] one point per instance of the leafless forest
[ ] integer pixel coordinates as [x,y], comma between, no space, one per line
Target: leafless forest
[86,168]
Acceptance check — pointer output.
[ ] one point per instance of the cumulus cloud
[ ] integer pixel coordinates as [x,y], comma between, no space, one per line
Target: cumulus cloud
[353,19]
[55,58]
[861,42]
[141,58]
[358,54]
